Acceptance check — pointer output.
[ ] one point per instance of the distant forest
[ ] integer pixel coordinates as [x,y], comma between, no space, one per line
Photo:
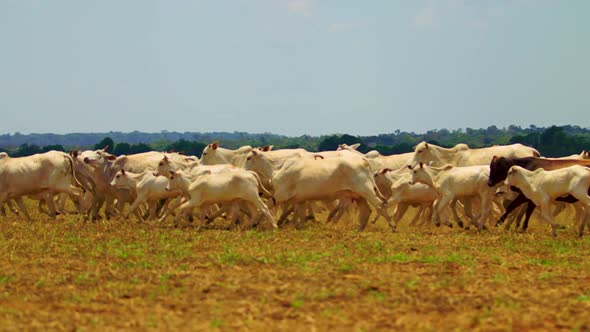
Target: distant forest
[555,141]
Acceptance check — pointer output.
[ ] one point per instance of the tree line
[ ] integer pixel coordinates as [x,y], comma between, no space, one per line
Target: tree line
[555,141]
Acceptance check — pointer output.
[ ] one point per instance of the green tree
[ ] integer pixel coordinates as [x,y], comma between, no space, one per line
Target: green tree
[107,141]
[122,148]
[56,147]
[27,150]
[192,148]
[331,143]
[139,148]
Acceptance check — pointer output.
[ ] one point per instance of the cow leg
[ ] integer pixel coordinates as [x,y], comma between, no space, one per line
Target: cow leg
[548,217]
[224,208]
[310,213]
[427,214]
[484,211]
[417,215]
[139,200]
[584,200]
[21,206]
[153,209]
[340,210]
[466,209]
[364,213]
[440,206]
[518,201]
[287,210]
[266,212]
[529,211]
[585,218]
[187,207]
[12,207]
[400,211]
[48,198]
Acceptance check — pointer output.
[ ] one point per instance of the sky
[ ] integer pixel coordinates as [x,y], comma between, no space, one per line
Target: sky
[292,67]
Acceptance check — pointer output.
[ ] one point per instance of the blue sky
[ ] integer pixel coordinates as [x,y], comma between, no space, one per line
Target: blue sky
[292,66]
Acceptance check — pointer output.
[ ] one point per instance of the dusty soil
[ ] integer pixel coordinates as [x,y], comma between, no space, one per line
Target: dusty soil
[120,275]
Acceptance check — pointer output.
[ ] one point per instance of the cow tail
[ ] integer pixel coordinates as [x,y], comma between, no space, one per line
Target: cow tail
[73,172]
[263,189]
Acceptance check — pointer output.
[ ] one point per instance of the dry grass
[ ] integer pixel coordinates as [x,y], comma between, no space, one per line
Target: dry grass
[68,275]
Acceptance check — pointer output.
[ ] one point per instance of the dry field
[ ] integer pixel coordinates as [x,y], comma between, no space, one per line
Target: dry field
[120,275]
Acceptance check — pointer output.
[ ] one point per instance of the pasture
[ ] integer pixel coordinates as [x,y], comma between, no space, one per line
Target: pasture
[70,275]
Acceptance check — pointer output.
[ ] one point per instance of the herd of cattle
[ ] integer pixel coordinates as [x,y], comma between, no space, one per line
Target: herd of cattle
[250,184]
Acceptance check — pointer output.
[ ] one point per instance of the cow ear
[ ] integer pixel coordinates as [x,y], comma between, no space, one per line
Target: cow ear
[426,145]
[74,153]
[123,171]
[254,152]
[111,157]
[355,146]
[172,172]
[165,157]
[266,148]
[215,145]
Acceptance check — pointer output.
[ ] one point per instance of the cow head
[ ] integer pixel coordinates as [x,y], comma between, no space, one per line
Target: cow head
[511,174]
[96,157]
[422,154]
[121,180]
[163,166]
[498,170]
[208,155]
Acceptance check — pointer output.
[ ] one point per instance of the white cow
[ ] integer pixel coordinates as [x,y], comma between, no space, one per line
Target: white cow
[220,188]
[379,161]
[542,187]
[451,182]
[267,164]
[462,155]
[396,187]
[303,179]
[146,187]
[213,154]
[106,165]
[50,172]
[193,172]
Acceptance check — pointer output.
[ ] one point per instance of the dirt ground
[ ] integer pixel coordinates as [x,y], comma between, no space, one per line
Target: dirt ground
[121,275]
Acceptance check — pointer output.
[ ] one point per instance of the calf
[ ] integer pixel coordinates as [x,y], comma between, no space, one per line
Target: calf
[147,187]
[452,182]
[219,188]
[499,167]
[542,187]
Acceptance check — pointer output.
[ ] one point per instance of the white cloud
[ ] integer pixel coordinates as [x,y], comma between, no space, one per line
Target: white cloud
[340,27]
[300,7]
